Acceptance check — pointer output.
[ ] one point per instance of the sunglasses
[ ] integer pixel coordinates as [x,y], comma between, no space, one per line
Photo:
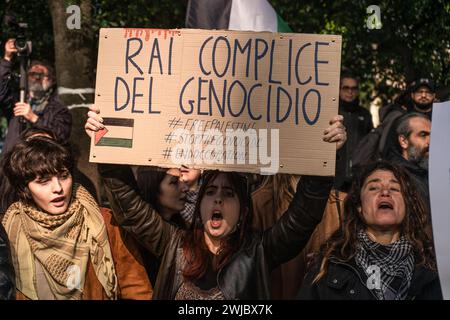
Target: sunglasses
[347,88]
[37,75]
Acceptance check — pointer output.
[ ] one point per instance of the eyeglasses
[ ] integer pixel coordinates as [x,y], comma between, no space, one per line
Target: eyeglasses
[347,88]
[37,75]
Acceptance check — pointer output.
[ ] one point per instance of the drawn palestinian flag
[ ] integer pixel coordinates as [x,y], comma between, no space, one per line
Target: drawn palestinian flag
[250,15]
[118,132]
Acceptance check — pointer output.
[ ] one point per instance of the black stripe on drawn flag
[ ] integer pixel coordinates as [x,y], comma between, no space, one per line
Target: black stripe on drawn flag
[208,14]
[118,122]
[103,139]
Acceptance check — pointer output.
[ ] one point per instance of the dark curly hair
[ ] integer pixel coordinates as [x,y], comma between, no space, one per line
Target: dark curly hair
[39,156]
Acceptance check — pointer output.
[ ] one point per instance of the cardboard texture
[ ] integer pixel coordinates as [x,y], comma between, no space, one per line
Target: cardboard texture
[281,89]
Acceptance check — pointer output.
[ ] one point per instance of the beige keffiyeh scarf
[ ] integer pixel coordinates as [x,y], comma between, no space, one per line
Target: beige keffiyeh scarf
[63,245]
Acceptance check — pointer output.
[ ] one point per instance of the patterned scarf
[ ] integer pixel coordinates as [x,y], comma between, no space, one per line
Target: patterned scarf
[63,245]
[188,212]
[395,262]
[38,104]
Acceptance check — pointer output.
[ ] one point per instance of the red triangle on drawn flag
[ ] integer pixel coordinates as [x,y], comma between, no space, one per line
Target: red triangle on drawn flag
[99,135]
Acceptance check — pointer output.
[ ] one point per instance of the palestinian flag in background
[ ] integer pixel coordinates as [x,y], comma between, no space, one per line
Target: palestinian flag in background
[249,15]
[119,133]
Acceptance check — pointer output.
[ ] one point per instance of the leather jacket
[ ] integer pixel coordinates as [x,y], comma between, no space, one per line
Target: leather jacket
[247,275]
[7,277]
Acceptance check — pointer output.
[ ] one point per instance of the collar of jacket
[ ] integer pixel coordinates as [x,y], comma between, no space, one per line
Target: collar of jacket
[349,106]
[398,159]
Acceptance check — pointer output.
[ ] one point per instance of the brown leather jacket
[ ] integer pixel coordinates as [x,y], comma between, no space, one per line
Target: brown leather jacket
[247,275]
[131,275]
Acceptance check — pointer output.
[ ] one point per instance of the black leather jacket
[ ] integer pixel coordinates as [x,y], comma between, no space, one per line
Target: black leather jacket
[7,277]
[247,274]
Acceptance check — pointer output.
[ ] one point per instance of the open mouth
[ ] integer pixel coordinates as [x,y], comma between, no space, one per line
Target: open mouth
[59,201]
[384,205]
[216,219]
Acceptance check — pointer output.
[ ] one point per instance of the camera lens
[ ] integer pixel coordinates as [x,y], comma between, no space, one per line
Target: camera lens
[21,44]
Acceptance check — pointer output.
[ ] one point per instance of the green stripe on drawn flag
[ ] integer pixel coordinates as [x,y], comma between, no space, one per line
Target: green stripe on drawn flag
[118,132]
[256,15]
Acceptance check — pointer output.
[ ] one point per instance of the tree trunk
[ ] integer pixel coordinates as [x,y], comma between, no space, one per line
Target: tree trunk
[73,47]
[74,64]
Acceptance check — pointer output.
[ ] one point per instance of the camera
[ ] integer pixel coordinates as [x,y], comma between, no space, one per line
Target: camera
[17,31]
[21,42]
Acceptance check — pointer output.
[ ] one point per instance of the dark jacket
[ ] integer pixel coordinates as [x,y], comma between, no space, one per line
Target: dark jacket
[247,275]
[345,281]
[7,277]
[419,175]
[358,122]
[5,88]
[376,144]
[55,117]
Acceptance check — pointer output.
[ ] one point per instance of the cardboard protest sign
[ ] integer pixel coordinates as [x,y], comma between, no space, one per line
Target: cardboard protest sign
[229,100]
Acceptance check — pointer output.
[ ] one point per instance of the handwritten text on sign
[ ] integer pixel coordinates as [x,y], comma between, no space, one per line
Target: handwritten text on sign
[244,101]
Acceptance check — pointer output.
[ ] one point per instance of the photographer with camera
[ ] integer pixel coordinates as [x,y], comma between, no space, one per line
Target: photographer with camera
[5,78]
[39,106]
